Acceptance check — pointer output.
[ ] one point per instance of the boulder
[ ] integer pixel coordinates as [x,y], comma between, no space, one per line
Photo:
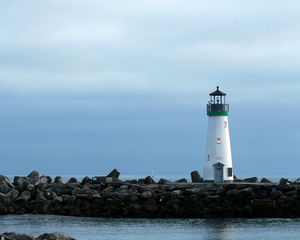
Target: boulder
[182,180]
[41,182]
[58,200]
[6,180]
[146,194]
[141,181]
[163,181]
[49,179]
[30,188]
[24,197]
[40,196]
[236,179]
[276,194]
[265,180]
[20,183]
[149,180]
[16,236]
[54,236]
[284,182]
[33,174]
[50,194]
[196,178]
[72,180]
[132,181]
[58,180]
[251,180]
[123,187]
[68,199]
[103,179]
[11,196]
[114,174]
[86,180]
[4,188]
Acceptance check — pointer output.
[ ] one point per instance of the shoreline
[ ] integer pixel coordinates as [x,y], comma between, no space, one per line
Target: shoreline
[109,197]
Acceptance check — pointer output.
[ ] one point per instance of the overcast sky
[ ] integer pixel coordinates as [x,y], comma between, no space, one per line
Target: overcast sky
[87,86]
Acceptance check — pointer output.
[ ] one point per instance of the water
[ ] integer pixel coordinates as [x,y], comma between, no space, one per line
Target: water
[154,229]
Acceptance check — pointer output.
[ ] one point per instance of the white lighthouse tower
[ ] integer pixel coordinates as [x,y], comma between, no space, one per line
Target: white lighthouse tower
[218,159]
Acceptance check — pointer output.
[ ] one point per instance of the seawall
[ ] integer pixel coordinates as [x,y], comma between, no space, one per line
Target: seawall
[111,197]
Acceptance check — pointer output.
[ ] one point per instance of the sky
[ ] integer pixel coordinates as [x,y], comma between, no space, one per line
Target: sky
[88,86]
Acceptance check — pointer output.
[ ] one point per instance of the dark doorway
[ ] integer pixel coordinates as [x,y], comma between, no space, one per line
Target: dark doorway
[218,172]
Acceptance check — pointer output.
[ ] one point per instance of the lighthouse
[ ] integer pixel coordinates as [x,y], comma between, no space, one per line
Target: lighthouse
[218,159]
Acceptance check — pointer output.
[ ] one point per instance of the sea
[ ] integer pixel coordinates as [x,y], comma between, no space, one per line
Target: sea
[154,229]
[86,228]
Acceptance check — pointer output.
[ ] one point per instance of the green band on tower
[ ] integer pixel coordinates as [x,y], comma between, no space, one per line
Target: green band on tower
[217,113]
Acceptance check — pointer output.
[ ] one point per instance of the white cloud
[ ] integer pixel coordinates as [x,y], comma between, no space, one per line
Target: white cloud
[167,46]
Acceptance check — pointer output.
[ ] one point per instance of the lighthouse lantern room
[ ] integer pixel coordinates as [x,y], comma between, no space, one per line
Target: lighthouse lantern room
[218,159]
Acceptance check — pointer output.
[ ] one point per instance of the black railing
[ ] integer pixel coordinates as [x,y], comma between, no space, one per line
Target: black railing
[217,107]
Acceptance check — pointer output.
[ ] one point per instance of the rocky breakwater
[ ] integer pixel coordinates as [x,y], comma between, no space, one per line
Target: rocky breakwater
[108,196]
[45,236]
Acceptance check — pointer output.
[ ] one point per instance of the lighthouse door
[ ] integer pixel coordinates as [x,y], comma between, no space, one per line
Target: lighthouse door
[218,172]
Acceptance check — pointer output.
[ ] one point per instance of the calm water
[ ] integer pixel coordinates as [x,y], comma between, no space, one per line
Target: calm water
[150,229]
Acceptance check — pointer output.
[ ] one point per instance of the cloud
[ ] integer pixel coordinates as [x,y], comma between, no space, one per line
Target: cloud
[158,47]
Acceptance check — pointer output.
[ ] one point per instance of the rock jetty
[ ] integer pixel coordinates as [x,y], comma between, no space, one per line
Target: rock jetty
[45,236]
[108,196]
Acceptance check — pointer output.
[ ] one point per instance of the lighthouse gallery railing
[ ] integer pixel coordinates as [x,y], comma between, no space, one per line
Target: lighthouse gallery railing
[217,107]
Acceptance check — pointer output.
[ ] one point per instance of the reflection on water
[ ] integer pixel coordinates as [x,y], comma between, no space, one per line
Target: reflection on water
[150,229]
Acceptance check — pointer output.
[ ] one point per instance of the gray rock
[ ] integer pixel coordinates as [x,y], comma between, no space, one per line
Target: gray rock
[24,197]
[40,196]
[265,180]
[163,181]
[4,188]
[141,181]
[103,179]
[58,200]
[58,180]
[251,180]
[177,192]
[149,180]
[69,198]
[114,174]
[196,178]
[20,183]
[54,236]
[41,182]
[49,179]
[276,194]
[133,181]
[17,236]
[50,194]
[86,180]
[285,182]
[245,193]
[34,180]
[182,180]
[11,196]
[151,205]
[2,197]
[6,180]
[146,194]
[72,180]
[233,193]
[33,174]
[30,188]
[123,187]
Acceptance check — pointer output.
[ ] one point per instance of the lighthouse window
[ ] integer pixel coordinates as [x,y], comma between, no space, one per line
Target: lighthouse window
[208,157]
[218,140]
[225,124]
[229,172]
